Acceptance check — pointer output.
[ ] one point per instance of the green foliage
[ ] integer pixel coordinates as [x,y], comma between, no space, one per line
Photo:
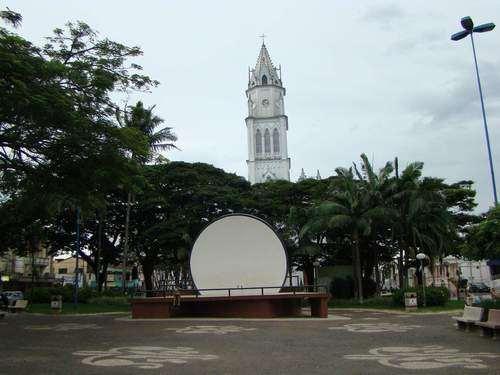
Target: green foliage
[434,296]
[483,239]
[105,300]
[490,304]
[342,288]
[61,146]
[44,294]
[375,303]
[85,295]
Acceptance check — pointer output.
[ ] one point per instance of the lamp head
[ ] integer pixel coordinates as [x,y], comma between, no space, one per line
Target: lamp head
[421,256]
[460,35]
[467,23]
[484,28]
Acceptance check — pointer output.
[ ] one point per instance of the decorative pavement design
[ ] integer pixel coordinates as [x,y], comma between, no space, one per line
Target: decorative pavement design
[143,357]
[64,327]
[376,327]
[423,358]
[338,317]
[218,330]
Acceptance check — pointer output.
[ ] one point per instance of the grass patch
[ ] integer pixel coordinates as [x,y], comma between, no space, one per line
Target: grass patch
[82,308]
[368,303]
[449,305]
[387,304]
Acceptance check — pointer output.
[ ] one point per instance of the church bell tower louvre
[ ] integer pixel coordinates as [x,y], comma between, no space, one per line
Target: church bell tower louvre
[267,124]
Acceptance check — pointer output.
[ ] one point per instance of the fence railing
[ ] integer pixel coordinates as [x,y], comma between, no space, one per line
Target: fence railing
[170,290]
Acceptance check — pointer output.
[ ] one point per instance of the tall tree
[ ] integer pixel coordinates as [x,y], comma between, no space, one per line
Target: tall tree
[352,208]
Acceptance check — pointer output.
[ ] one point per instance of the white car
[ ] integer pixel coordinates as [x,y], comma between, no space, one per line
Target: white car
[13,295]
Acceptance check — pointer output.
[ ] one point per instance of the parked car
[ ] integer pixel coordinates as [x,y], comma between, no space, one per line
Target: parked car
[13,295]
[478,288]
[478,292]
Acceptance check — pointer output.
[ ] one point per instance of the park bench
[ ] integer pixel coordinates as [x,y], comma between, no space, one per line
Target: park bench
[19,305]
[492,324]
[470,317]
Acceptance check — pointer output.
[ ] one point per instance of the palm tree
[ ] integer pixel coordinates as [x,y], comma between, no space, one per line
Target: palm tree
[352,208]
[422,221]
[145,122]
[11,17]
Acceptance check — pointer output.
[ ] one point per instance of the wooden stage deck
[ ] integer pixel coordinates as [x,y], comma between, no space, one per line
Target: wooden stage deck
[240,306]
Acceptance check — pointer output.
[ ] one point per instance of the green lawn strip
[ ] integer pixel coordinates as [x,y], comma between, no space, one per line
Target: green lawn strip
[82,308]
[386,304]
[449,306]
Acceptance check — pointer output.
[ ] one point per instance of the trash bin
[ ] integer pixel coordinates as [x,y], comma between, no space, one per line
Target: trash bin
[56,304]
[411,302]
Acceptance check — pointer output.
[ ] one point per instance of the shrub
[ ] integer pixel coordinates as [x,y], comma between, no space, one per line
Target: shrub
[112,293]
[39,295]
[434,296]
[44,294]
[369,288]
[342,288]
[490,304]
[84,294]
[103,300]
[378,302]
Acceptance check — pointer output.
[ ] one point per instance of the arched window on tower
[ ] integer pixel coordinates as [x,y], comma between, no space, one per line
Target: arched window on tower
[258,142]
[264,79]
[276,141]
[267,142]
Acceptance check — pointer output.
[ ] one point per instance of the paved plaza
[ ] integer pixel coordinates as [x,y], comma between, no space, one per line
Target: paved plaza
[348,342]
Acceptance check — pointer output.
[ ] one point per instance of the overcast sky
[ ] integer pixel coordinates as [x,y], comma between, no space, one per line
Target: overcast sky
[379,77]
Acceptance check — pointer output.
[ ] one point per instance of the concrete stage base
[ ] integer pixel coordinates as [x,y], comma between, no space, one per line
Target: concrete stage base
[250,306]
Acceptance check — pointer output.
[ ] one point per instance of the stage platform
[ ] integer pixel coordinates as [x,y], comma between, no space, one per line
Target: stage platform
[234,306]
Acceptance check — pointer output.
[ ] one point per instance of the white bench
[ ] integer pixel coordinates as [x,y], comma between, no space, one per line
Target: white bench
[19,305]
[470,317]
[492,324]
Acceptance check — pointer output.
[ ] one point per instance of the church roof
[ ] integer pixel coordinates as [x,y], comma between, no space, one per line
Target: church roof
[264,70]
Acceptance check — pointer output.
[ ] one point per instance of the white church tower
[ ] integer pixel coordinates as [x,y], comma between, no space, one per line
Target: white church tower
[267,124]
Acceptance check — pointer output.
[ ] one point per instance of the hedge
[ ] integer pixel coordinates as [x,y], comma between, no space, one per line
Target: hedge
[44,294]
[434,296]
[103,300]
[490,304]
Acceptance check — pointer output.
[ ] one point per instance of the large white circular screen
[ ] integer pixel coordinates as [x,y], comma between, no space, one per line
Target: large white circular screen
[238,251]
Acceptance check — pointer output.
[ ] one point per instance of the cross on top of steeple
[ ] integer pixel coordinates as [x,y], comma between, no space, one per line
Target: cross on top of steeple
[263,36]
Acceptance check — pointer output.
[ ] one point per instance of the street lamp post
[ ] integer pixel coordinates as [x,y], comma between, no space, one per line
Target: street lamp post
[469,29]
[421,257]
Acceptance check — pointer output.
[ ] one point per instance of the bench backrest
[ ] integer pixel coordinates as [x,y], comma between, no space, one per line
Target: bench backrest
[21,303]
[494,316]
[473,313]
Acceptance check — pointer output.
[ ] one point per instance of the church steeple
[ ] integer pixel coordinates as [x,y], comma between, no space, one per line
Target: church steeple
[264,73]
[267,124]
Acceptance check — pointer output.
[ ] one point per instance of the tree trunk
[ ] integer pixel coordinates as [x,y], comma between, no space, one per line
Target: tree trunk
[401,271]
[103,277]
[125,245]
[98,257]
[359,277]
[377,276]
[147,270]
[308,272]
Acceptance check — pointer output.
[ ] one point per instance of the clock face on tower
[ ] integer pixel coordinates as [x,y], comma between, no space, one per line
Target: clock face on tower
[265,102]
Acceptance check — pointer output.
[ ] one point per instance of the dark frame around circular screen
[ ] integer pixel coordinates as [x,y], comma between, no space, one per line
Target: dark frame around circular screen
[238,251]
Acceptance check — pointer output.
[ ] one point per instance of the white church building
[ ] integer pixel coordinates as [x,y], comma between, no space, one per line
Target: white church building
[267,124]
